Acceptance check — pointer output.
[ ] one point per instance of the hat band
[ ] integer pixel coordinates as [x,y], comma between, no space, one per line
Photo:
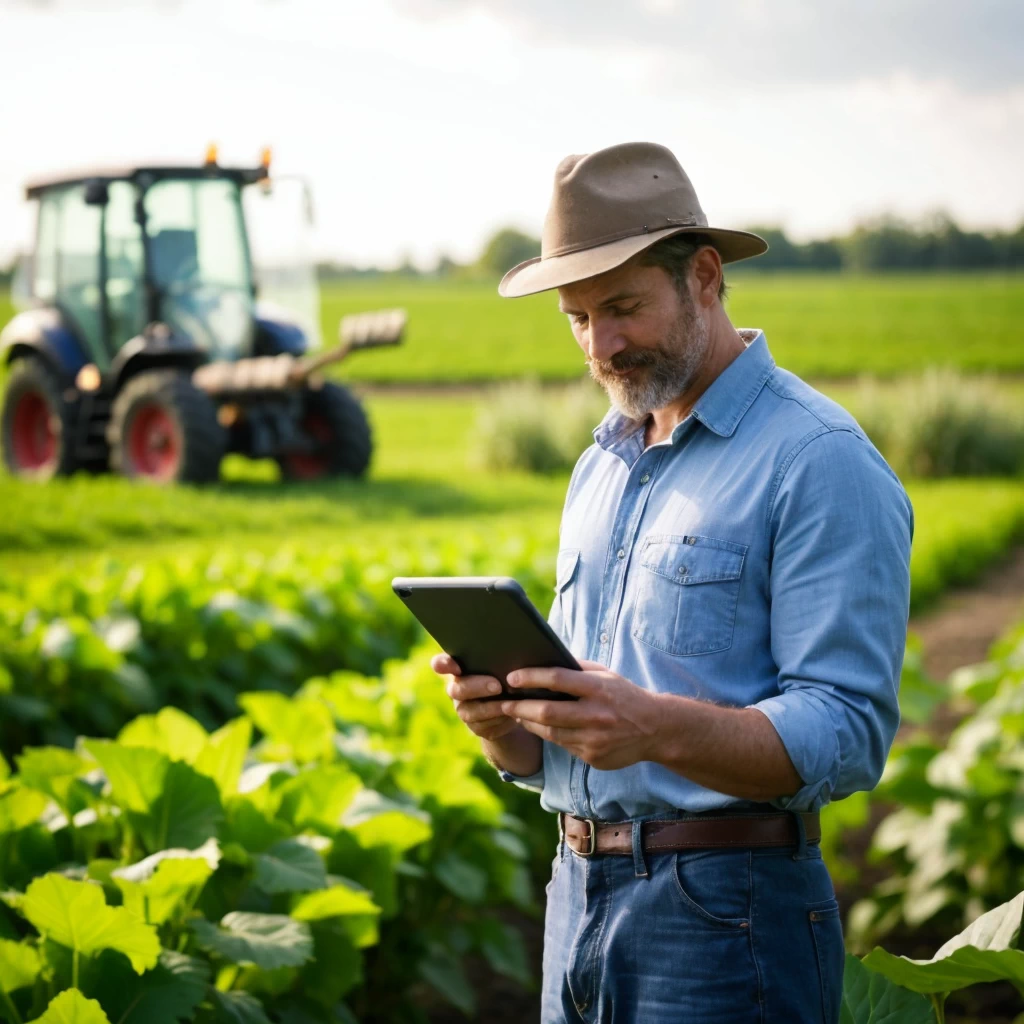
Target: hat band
[670,222]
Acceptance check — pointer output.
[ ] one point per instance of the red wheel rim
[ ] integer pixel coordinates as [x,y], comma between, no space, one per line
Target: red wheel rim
[153,445]
[33,441]
[312,465]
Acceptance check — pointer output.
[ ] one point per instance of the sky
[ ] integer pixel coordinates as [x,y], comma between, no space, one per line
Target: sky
[424,125]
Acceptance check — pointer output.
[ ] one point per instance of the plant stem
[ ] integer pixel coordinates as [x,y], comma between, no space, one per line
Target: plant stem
[74,969]
[938,1001]
[11,1008]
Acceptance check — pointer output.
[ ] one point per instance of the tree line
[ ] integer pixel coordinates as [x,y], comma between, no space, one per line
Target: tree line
[881,245]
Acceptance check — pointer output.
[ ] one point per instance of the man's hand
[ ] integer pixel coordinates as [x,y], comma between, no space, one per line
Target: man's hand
[485,718]
[505,743]
[613,724]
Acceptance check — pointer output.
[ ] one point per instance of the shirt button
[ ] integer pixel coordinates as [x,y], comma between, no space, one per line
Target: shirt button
[604,638]
[621,553]
[691,540]
[645,478]
[682,570]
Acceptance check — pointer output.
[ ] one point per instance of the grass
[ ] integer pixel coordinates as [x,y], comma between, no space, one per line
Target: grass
[419,488]
[816,325]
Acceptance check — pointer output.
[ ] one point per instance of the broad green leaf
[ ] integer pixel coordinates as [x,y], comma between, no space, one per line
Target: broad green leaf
[289,866]
[19,965]
[442,970]
[170,731]
[964,966]
[337,901]
[156,899]
[251,827]
[336,968]
[143,870]
[461,878]
[76,915]
[266,940]
[398,829]
[870,998]
[51,770]
[19,807]
[224,754]
[504,949]
[318,797]
[5,768]
[71,1007]
[983,951]
[136,774]
[237,1008]
[187,813]
[168,993]
[298,727]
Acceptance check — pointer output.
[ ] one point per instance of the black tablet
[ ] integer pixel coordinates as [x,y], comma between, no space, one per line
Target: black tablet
[489,626]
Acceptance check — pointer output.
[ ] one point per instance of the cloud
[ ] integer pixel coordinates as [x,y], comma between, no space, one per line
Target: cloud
[976,46]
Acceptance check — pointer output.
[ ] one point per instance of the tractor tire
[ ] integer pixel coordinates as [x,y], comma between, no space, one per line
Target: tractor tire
[333,416]
[164,429]
[37,425]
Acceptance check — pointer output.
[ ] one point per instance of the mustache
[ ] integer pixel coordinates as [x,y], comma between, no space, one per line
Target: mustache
[623,361]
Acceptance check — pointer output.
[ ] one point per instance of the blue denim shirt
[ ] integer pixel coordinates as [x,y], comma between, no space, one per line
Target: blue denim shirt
[759,557]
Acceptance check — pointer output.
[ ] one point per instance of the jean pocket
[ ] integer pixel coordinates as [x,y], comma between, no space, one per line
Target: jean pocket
[715,885]
[687,593]
[827,932]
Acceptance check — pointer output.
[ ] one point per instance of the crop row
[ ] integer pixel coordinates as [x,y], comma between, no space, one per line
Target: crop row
[341,868]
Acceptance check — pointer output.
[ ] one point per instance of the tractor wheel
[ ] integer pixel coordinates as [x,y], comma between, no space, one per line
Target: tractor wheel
[163,428]
[333,417]
[37,424]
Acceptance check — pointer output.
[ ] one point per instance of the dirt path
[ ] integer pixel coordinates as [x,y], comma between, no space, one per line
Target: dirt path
[960,630]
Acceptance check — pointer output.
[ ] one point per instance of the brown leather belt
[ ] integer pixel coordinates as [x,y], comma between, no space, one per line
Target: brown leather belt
[586,837]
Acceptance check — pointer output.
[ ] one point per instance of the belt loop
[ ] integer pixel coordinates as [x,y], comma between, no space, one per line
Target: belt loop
[639,864]
[801,831]
[561,838]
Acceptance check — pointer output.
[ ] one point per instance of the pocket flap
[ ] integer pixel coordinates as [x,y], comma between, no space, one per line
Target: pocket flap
[692,559]
[565,567]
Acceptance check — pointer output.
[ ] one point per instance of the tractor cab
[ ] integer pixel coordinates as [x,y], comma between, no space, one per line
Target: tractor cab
[140,278]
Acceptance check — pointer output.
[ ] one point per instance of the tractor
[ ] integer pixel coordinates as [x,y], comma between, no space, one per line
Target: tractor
[152,341]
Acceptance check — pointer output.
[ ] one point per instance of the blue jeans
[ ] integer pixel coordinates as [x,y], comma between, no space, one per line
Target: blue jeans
[711,936]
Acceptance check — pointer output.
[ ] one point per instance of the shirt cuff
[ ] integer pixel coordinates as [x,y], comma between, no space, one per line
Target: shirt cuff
[805,726]
[534,782]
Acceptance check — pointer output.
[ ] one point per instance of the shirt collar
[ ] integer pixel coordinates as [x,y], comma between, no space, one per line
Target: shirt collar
[721,407]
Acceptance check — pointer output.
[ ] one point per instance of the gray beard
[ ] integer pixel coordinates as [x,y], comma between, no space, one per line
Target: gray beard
[665,372]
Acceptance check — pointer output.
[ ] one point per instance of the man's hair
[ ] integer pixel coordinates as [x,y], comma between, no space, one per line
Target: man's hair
[674,255]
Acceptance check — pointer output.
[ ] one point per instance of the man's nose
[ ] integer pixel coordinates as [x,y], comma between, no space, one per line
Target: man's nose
[605,339]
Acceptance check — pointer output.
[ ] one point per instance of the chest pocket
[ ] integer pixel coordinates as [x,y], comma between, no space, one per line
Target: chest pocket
[687,593]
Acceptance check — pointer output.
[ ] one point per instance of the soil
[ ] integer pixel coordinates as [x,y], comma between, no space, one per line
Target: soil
[958,632]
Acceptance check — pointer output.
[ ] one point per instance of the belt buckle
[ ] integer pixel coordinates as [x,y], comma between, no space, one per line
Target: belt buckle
[592,839]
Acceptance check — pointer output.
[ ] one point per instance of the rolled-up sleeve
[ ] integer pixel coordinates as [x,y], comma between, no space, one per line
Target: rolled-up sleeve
[840,528]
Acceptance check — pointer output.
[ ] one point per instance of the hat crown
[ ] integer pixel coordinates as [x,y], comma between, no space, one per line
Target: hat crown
[630,189]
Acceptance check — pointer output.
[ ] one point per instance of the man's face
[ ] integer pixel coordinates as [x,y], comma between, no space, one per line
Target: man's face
[645,342]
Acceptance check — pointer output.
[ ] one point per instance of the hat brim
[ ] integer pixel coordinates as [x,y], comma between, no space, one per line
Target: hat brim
[540,275]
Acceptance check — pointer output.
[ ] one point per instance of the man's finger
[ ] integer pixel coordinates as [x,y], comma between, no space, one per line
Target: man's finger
[472,687]
[479,711]
[561,713]
[560,737]
[565,680]
[445,665]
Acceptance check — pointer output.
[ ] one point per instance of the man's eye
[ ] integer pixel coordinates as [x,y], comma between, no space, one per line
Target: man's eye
[619,311]
[579,318]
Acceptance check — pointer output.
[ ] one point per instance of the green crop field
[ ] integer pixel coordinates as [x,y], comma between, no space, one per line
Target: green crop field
[817,326]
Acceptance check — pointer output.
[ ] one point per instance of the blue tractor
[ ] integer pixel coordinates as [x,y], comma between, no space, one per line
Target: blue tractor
[148,345]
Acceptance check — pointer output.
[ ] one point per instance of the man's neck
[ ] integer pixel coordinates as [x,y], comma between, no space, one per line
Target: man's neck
[725,347]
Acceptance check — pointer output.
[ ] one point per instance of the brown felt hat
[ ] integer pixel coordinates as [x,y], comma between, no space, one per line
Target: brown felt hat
[608,206]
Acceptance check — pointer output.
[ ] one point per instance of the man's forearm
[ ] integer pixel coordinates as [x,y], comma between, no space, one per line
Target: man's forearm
[730,750]
[518,752]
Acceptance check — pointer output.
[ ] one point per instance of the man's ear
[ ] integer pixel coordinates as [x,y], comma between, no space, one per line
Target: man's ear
[706,275]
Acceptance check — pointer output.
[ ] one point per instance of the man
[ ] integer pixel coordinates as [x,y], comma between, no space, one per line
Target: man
[734,564]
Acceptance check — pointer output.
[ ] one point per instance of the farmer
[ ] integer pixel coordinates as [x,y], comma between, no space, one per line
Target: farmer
[733,561]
